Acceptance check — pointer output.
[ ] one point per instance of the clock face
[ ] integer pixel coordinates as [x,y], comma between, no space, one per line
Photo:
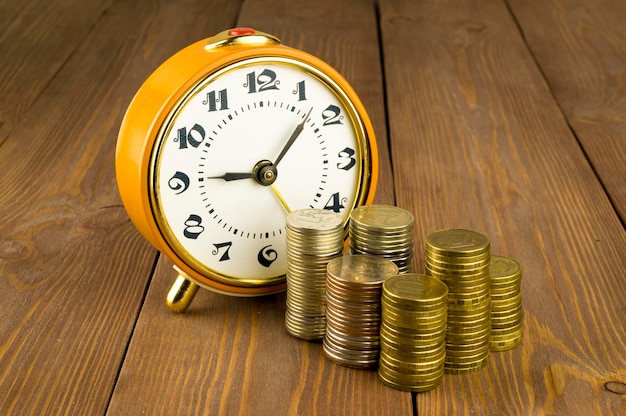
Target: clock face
[244,147]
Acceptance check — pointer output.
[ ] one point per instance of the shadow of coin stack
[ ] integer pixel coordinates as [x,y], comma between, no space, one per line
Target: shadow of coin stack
[314,237]
[353,296]
[461,258]
[413,332]
[506,303]
[385,231]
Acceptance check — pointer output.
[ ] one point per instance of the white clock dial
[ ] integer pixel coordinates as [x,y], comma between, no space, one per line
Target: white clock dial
[226,172]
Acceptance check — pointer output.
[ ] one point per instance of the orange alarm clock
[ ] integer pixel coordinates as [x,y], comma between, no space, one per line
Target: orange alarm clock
[222,141]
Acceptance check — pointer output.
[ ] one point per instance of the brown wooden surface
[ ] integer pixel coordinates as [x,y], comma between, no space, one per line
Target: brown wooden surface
[506,117]
[493,152]
[588,79]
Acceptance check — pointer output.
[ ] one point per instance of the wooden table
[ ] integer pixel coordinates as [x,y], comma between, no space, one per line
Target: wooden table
[503,116]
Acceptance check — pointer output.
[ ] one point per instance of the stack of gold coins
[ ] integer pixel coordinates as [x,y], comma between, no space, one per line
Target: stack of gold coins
[413,332]
[353,293]
[460,258]
[385,231]
[314,237]
[506,303]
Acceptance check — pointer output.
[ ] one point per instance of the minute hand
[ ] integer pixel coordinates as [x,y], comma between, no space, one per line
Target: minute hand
[292,139]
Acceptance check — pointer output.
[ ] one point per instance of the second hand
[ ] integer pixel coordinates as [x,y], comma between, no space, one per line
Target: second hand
[280,198]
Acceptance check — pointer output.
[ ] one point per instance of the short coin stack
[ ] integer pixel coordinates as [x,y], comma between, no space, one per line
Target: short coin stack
[314,237]
[506,303]
[413,332]
[385,231]
[461,258]
[353,293]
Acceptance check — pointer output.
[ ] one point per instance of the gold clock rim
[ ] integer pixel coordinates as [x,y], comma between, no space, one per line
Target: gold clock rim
[356,120]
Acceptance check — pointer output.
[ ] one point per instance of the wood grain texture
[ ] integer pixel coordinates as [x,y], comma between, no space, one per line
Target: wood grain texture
[581,49]
[479,142]
[36,39]
[232,356]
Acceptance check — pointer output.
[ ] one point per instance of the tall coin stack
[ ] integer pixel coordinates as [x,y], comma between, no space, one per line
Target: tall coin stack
[413,332]
[353,291]
[314,237]
[460,258]
[506,303]
[385,231]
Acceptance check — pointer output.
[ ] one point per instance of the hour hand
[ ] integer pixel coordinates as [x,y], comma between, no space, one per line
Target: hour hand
[234,176]
[264,173]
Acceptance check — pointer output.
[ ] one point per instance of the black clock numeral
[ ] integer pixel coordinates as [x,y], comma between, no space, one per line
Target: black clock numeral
[194,137]
[332,115]
[300,91]
[346,159]
[266,80]
[213,99]
[335,203]
[193,227]
[226,246]
[267,255]
[179,182]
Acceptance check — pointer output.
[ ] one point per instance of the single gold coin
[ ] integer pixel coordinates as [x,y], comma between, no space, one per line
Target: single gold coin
[433,305]
[416,383]
[314,220]
[380,242]
[410,376]
[411,345]
[458,264]
[415,354]
[382,217]
[361,270]
[402,320]
[506,334]
[400,336]
[458,353]
[507,323]
[451,368]
[458,259]
[506,345]
[411,366]
[415,288]
[457,242]
[463,275]
[391,313]
[506,311]
[504,268]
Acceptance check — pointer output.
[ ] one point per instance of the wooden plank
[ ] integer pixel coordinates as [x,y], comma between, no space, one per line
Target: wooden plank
[36,39]
[233,356]
[230,355]
[73,269]
[479,142]
[581,49]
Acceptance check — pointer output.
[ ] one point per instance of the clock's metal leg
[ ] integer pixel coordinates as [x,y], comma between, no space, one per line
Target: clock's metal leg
[181,294]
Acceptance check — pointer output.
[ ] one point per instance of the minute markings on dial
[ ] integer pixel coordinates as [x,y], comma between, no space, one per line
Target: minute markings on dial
[265,171]
[220,129]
